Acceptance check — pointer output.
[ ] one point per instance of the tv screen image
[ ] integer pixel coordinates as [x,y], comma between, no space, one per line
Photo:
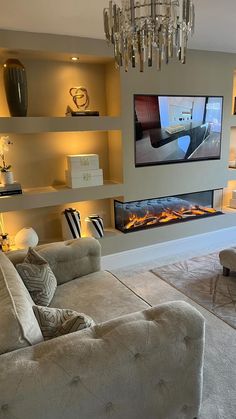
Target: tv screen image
[177,129]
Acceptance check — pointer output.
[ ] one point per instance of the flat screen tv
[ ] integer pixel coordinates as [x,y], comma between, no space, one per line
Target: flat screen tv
[177,129]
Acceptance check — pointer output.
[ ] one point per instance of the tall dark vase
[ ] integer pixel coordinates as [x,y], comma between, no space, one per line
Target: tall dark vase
[15,83]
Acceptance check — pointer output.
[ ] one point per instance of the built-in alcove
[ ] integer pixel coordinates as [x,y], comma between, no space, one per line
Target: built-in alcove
[39,160]
[49,83]
[47,221]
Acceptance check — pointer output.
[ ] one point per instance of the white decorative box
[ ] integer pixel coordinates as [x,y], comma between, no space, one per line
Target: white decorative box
[83,162]
[84,178]
[232,164]
[234,194]
[232,203]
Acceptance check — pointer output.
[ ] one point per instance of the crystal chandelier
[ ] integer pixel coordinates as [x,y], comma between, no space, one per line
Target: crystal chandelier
[149,31]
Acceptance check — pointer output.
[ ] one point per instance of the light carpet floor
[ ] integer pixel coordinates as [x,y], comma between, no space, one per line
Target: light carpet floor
[202,280]
[219,388]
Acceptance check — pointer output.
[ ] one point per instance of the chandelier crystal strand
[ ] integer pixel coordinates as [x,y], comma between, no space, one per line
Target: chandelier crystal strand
[145,31]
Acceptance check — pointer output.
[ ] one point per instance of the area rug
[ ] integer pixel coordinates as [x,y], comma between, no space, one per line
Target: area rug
[201,279]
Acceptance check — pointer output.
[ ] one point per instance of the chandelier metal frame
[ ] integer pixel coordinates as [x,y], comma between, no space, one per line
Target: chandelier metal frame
[149,31]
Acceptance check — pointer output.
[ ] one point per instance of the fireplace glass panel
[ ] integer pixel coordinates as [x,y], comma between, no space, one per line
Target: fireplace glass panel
[149,213]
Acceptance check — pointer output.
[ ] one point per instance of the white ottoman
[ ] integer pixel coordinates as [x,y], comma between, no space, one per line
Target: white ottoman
[228,260]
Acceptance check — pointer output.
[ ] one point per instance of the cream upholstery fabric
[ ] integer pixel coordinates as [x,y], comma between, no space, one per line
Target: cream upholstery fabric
[38,278]
[18,325]
[228,258]
[143,365]
[98,294]
[68,260]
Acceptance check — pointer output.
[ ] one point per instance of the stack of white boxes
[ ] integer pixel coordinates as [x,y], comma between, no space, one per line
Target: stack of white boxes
[83,170]
[232,202]
[232,164]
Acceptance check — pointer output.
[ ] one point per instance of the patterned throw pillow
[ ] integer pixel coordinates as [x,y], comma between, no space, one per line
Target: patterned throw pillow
[38,278]
[55,322]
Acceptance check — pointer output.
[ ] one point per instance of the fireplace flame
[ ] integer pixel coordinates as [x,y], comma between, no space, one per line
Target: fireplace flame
[166,216]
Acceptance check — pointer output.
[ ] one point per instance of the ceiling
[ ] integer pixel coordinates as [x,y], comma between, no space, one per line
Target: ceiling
[215,20]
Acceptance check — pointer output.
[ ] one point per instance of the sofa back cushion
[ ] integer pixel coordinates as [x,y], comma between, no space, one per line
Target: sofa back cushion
[18,324]
[68,259]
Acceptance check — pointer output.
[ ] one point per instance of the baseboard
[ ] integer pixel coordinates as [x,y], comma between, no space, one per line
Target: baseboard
[198,243]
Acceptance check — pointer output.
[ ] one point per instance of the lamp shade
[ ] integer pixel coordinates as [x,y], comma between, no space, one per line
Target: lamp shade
[27,237]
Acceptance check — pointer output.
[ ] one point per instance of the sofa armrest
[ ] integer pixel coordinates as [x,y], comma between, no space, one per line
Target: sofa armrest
[143,365]
[67,259]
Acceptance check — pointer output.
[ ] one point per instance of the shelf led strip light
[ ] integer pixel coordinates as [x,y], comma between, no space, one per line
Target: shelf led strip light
[148,31]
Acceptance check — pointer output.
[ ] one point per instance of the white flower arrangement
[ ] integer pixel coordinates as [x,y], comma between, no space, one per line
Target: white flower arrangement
[4,148]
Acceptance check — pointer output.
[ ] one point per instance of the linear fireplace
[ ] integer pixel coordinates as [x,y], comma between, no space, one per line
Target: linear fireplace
[149,213]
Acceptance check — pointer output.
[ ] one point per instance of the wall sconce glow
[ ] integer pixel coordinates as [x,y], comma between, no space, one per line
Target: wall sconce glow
[75,59]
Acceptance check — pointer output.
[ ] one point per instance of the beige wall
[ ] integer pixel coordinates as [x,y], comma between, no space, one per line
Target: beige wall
[205,73]
[39,160]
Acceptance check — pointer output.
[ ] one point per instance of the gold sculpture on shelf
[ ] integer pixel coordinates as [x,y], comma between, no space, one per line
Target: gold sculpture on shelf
[81,100]
[80,97]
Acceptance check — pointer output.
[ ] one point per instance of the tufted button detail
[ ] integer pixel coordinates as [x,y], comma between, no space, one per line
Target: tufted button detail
[4,407]
[184,408]
[109,406]
[137,355]
[187,340]
[75,380]
[161,383]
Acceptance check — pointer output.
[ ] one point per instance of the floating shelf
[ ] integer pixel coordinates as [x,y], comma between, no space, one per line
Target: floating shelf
[58,47]
[109,233]
[117,240]
[52,196]
[33,125]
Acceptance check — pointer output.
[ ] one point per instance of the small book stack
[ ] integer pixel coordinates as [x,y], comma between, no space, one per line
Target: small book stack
[70,112]
[83,170]
[12,189]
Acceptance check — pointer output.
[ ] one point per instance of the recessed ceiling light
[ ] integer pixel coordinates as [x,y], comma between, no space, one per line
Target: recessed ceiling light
[75,59]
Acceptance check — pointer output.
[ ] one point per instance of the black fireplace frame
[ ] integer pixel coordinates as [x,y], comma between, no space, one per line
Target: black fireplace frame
[171,222]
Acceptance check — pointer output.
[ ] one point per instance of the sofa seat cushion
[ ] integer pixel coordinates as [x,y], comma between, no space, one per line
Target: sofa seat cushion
[18,324]
[99,295]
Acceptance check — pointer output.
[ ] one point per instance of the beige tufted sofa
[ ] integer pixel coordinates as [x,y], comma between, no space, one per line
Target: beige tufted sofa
[145,363]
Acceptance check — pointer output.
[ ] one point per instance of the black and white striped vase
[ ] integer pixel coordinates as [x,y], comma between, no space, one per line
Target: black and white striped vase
[71,224]
[95,226]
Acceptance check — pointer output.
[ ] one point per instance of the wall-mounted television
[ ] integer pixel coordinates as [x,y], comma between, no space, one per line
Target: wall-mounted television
[177,129]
